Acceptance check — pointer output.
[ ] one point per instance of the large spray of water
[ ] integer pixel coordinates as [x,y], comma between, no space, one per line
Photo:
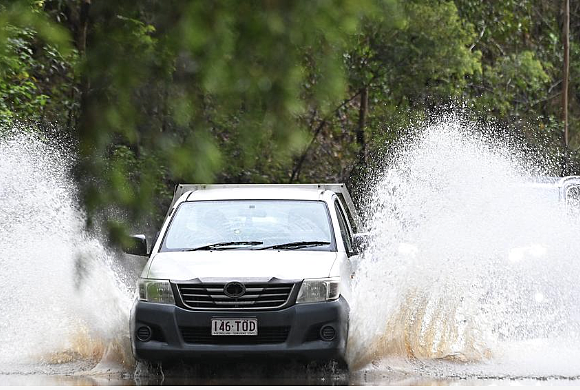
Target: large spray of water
[62,296]
[468,262]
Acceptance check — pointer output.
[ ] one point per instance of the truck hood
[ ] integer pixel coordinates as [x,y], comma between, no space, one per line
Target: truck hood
[293,264]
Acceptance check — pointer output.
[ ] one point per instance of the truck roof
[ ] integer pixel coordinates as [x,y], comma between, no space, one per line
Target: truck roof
[256,193]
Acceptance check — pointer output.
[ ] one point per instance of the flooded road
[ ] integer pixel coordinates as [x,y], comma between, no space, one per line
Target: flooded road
[264,374]
[470,278]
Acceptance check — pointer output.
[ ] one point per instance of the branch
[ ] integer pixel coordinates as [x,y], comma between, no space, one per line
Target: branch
[554,85]
[296,170]
[531,104]
[478,39]
[298,167]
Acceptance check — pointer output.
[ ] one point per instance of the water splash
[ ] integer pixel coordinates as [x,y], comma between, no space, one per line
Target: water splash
[63,295]
[468,263]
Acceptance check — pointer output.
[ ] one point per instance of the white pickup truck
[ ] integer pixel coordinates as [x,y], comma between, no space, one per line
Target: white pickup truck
[242,271]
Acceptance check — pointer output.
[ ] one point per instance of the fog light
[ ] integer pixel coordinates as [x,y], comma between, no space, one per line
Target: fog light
[327,333]
[144,333]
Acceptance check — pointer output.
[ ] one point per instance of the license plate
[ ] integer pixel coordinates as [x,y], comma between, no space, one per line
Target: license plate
[234,327]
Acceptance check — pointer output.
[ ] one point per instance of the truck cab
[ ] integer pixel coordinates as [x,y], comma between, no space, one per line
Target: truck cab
[242,271]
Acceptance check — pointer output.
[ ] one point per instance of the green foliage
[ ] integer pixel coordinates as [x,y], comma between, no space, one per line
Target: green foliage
[36,61]
[203,89]
[513,85]
[522,62]
[161,92]
[423,61]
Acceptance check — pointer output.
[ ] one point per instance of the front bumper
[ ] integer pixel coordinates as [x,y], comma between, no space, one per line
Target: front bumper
[170,324]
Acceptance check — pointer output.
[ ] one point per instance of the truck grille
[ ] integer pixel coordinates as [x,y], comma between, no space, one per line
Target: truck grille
[256,296]
[266,335]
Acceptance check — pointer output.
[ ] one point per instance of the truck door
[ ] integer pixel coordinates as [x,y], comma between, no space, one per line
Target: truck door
[348,267]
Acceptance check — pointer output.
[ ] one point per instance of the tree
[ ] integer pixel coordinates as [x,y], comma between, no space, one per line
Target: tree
[36,61]
[189,91]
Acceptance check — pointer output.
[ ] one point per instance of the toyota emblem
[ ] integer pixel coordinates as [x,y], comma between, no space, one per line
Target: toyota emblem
[234,289]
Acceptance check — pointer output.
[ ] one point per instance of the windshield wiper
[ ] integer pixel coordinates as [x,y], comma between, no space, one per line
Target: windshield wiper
[221,245]
[295,245]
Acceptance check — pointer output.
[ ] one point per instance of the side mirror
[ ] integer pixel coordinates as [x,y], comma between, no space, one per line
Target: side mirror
[360,241]
[137,245]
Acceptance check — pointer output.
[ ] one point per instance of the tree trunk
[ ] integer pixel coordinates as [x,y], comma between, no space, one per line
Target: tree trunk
[362,120]
[84,25]
[565,75]
[82,32]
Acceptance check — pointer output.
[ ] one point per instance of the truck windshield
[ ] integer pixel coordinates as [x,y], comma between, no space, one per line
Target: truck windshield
[250,224]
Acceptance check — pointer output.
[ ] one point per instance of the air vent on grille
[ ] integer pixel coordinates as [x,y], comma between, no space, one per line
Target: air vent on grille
[144,333]
[327,333]
[266,335]
[256,296]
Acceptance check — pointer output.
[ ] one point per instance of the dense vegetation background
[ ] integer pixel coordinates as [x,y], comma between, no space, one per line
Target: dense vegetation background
[154,93]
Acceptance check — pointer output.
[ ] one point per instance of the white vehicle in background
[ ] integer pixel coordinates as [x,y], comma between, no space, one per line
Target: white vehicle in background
[243,271]
[565,190]
[569,190]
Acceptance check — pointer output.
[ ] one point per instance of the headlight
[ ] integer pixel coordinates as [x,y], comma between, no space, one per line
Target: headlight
[319,290]
[157,291]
